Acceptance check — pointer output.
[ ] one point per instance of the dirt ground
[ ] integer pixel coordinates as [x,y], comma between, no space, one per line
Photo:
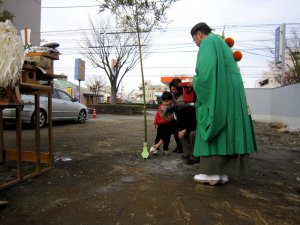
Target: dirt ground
[100,178]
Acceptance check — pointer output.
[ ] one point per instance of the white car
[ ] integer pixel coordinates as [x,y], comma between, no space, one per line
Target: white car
[64,107]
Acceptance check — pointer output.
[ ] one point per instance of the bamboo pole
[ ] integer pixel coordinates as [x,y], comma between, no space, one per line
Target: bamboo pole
[145,152]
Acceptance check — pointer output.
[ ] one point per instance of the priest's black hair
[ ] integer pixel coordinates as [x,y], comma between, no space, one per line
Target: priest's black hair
[202,27]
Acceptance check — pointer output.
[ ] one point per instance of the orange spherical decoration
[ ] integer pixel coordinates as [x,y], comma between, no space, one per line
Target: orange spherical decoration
[237,55]
[229,41]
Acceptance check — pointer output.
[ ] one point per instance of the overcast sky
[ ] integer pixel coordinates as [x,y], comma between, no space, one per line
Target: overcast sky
[250,23]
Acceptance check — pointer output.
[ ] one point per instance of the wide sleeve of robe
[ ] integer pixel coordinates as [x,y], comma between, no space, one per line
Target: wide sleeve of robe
[210,87]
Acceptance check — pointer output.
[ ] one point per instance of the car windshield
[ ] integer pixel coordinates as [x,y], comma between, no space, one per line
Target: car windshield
[64,96]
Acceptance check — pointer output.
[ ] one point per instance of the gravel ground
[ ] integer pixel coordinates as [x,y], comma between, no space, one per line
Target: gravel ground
[100,178]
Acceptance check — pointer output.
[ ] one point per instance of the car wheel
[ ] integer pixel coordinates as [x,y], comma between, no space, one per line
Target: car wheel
[82,116]
[43,118]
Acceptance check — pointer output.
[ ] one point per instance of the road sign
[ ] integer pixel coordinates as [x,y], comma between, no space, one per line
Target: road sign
[277,45]
[79,70]
[280,44]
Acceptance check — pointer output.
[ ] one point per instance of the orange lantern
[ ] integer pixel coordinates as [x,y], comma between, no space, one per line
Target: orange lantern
[237,55]
[229,41]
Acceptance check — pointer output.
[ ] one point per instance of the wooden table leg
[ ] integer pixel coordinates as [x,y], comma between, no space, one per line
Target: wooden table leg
[37,133]
[1,137]
[50,138]
[19,141]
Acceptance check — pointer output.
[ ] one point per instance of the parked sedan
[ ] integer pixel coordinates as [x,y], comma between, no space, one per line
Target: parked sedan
[64,107]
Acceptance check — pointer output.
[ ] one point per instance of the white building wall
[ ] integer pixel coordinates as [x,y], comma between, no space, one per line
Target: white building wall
[151,91]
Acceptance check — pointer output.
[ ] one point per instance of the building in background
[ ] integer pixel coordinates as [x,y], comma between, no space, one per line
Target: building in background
[27,13]
[152,92]
[267,82]
[87,97]
[167,80]
[269,79]
[91,98]
[67,86]
[272,78]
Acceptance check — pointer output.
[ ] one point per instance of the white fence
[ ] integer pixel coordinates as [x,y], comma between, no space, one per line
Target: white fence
[276,105]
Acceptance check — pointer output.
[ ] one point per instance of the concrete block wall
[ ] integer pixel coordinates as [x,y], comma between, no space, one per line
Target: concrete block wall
[280,104]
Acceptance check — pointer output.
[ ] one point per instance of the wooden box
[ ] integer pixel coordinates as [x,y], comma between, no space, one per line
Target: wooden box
[49,71]
[41,61]
[10,96]
[29,77]
[54,56]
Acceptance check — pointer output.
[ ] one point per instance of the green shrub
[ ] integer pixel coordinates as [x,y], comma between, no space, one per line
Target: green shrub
[121,109]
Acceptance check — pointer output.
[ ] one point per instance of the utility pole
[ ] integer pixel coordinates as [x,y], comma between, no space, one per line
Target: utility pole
[282,39]
[79,91]
[280,50]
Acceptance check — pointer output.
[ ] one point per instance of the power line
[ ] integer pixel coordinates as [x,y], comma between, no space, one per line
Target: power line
[71,52]
[77,6]
[69,7]
[243,75]
[158,67]
[185,28]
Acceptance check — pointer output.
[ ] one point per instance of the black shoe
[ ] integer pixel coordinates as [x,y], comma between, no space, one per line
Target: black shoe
[192,161]
[187,156]
[178,150]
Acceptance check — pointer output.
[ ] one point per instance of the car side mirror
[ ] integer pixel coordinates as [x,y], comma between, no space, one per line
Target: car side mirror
[75,99]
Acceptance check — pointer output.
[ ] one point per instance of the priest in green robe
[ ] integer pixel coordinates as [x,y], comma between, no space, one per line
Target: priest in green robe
[224,134]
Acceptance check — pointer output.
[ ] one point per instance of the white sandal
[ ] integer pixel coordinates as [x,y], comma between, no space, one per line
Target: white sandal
[207,179]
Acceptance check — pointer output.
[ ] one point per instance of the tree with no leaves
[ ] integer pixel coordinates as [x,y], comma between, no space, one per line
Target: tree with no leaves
[293,59]
[95,84]
[115,52]
[138,16]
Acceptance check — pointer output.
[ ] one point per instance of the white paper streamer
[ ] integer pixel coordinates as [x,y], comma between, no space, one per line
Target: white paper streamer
[11,54]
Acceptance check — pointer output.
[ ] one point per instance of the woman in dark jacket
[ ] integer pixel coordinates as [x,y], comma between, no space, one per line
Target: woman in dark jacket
[177,101]
[177,92]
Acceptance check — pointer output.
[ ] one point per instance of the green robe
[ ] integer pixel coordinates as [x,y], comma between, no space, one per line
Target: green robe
[224,126]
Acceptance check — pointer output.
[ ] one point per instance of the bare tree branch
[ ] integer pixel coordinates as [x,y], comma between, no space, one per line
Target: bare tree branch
[95,84]
[293,50]
[292,62]
[100,47]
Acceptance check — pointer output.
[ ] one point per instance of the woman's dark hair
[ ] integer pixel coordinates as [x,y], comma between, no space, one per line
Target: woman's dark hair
[166,95]
[174,83]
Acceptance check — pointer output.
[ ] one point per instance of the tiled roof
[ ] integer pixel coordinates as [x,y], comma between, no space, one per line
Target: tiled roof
[64,84]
